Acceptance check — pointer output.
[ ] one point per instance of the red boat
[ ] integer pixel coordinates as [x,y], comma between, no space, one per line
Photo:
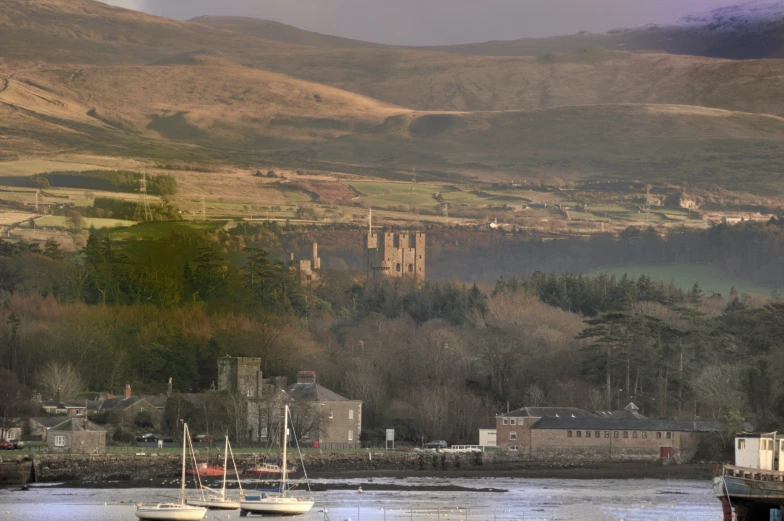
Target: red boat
[210,471]
[269,469]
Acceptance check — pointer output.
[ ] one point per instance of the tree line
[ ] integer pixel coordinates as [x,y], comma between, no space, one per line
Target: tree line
[438,360]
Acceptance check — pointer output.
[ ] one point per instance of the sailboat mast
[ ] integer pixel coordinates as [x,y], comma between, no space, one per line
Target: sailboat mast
[182,481]
[284,463]
[225,460]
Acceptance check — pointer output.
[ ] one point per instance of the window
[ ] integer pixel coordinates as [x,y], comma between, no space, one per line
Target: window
[579,434]
[741,444]
[513,435]
[351,414]
[10,435]
[615,434]
[59,441]
[397,267]
[506,422]
[625,434]
[513,448]
[331,413]
[263,432]
[587,434]
[512,421]
[634,435]
[568,434]
[645,435]
[658,435]
[606,434]
[350,435]
[411,268]
[598,434]
[669,435]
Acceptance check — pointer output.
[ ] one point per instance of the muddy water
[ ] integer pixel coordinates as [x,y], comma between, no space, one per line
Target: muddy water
[521,499]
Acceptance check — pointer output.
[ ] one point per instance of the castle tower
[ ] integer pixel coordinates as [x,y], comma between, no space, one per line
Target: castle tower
[240,376]
[395,255]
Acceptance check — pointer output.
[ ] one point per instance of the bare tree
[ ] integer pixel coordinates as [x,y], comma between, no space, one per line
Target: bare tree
[60,381]
[534,396]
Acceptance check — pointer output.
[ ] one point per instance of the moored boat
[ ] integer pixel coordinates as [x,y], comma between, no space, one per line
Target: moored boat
[179,511]
[754,485]
[217,500]
[281,504]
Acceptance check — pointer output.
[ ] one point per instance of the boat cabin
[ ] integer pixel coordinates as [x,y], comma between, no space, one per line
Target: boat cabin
[759,450]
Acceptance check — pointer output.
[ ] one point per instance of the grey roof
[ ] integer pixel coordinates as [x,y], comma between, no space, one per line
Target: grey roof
[314,393]
[597,423]
[549,412]
[157,400]
[118,404]
[76,425]
[621,415]
[47,421]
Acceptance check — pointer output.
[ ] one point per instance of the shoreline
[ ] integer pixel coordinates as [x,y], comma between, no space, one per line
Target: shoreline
[599,471]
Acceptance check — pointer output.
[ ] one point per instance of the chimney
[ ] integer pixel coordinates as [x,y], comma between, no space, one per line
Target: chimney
[306,377]
[127,391]
[169,388]
[59,396]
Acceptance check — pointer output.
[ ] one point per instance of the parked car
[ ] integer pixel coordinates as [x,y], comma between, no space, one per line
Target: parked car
[147,438]
[18,445]
[6,445]
[436,444]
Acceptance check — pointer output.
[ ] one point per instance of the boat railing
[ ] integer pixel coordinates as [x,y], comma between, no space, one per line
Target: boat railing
[752,473]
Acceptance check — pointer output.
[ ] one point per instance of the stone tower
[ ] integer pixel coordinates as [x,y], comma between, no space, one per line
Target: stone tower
[240,376]
[395,255]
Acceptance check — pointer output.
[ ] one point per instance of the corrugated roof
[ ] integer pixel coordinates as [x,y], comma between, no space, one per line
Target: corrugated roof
[614,424]
[76,425]
[314,393]
[548,412]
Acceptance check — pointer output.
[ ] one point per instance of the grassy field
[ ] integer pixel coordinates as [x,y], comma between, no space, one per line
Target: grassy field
[684,276]
[59,221]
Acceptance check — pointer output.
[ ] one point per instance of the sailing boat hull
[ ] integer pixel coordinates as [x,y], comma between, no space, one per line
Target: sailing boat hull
[215,504]
[171,512]
[279,506]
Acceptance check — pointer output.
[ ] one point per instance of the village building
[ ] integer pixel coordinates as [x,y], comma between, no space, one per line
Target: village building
[76,436]
[127,411]
[11,433]
[558,432]
[340,419]
[39,426]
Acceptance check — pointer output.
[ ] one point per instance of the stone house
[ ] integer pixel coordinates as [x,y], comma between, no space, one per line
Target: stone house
[39,426]
[340,418]
[76,436]
[124,411]
[513,428]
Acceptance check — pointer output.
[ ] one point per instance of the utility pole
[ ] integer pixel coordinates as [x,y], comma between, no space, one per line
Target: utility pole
[647,202]
[203,210]
[36,201]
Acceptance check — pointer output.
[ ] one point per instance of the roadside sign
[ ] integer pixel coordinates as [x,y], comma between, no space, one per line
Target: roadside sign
[390,438]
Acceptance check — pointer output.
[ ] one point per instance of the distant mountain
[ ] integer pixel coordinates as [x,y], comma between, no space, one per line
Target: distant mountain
[279,32]
[745,31]
[81,76]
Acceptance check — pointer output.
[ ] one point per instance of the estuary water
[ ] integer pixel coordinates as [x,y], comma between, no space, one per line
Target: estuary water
[515,500]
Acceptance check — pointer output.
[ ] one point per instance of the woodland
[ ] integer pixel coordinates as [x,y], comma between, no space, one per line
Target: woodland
[441,359]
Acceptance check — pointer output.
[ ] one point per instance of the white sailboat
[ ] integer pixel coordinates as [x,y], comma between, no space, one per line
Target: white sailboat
[217,500]
[281,504]
[179,511]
